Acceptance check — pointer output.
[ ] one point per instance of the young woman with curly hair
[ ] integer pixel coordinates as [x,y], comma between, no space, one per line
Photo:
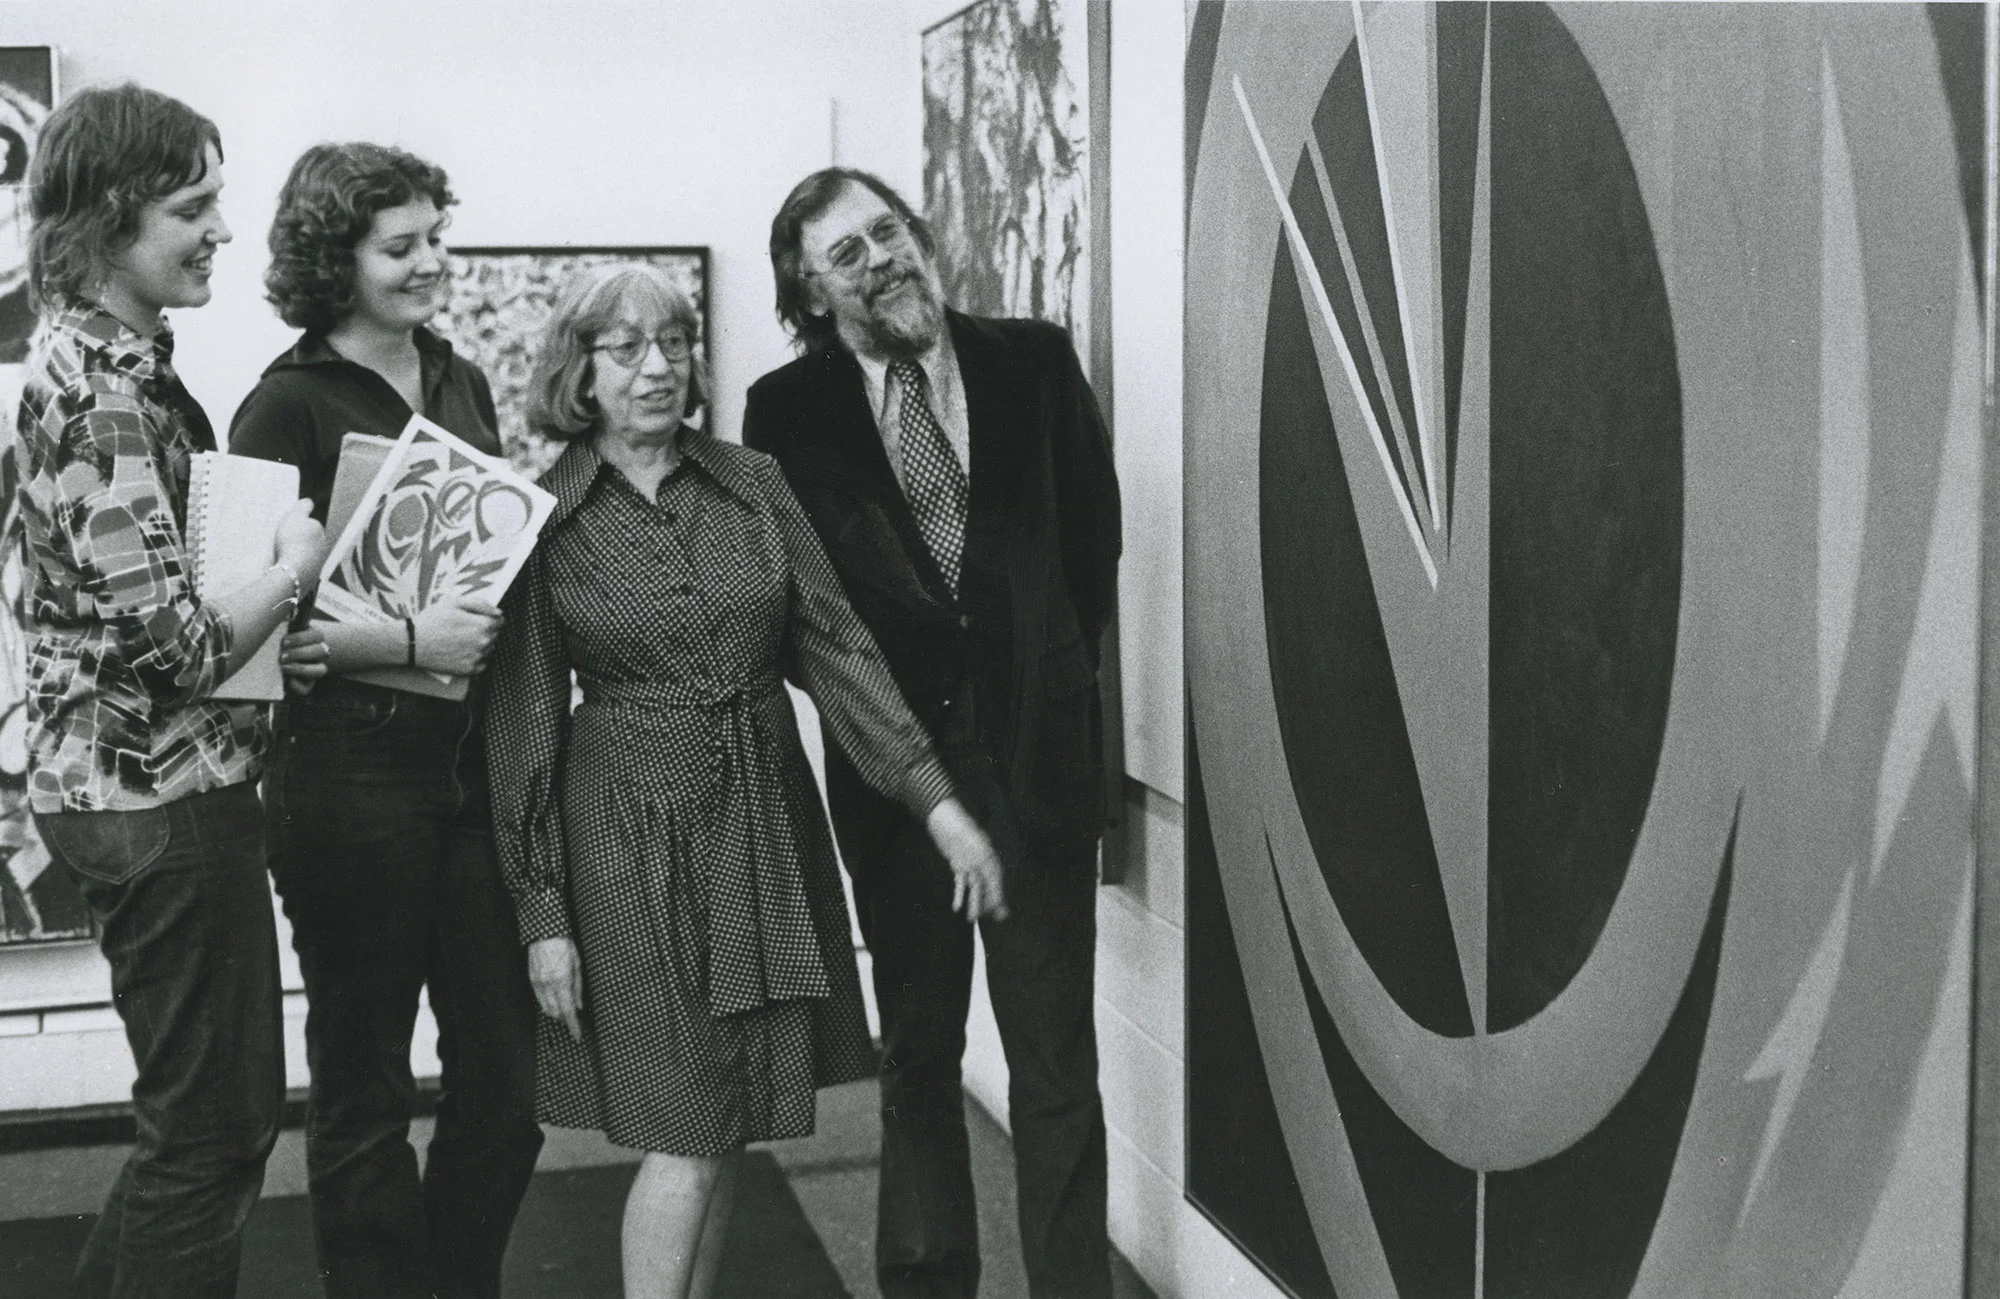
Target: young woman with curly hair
[385,855]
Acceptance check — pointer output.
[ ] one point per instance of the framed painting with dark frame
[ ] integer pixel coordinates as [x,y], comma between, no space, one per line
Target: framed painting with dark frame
[501,297]
[28,89]
[38,903]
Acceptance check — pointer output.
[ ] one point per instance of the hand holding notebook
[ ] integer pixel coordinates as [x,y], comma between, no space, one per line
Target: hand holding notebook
[235,506]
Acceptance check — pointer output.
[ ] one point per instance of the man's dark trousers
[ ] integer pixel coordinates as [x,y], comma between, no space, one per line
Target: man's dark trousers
[1039,976]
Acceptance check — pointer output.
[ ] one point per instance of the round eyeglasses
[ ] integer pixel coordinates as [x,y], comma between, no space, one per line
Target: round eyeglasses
[630,349]
[849,257]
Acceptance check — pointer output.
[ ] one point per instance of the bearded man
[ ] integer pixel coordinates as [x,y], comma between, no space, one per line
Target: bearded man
[959,475]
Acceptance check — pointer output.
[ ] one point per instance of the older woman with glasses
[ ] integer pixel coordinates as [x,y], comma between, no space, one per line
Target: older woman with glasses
[665,845]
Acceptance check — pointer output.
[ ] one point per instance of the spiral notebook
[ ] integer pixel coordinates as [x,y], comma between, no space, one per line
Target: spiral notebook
[235,504]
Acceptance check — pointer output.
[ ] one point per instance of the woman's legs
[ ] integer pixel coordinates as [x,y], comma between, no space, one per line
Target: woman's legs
[389,877]
[360,790]
[675,1217]
[483,1148]
[359,887]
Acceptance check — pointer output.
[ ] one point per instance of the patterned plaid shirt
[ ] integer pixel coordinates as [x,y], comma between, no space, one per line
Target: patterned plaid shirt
[122,654]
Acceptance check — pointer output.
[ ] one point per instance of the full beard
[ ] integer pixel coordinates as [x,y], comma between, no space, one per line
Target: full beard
[902,326]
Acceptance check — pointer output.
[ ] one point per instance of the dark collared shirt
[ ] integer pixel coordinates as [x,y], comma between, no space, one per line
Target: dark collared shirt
[312,396]
[122,653]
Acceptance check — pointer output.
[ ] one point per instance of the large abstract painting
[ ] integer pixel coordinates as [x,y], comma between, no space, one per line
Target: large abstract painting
[1007,159]
[501,298]
[1583,453]
[37,902]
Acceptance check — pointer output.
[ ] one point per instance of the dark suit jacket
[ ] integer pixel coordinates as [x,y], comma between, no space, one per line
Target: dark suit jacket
[1003,674]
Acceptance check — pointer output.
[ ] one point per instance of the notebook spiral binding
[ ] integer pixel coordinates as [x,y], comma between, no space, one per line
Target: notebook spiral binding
[202,499]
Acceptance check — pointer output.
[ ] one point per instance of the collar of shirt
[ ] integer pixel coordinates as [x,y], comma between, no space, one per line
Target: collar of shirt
[124,348]
[96,341]
[579,468]
[940,366]
[434,353]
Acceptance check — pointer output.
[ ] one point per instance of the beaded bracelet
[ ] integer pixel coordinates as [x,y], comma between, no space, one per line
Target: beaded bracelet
[298,592]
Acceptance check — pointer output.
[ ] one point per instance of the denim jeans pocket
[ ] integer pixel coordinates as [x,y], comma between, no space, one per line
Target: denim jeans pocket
[338,708]
[109,847]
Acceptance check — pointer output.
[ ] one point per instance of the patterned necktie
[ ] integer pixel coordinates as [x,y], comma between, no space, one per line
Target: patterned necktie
[933,479]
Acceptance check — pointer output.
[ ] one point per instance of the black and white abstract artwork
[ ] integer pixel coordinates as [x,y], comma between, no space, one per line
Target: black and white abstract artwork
[1007,160]
[27,93]
[1583,577]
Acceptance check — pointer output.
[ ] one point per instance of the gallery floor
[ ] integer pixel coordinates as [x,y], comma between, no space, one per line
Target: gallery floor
[812,1215]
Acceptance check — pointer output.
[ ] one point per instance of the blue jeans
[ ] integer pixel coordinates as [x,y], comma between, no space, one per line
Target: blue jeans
[383,853]
[180,895]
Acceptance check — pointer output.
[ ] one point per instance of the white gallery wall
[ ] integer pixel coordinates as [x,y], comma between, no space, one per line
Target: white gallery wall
[604,122]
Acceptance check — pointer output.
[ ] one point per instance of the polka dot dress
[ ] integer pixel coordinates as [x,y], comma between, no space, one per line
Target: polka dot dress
[670,826]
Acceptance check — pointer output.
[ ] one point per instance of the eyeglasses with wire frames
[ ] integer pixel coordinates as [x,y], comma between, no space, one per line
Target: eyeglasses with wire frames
[849,257]
[629,349]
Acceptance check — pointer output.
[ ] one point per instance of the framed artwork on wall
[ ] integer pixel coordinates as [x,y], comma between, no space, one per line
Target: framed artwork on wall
[37,901]
[28,88]
[1007,160]
[502,297]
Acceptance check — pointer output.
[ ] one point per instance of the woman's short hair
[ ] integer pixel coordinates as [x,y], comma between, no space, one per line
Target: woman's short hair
[589,303]
[104,154]
[325,210]
[810,197]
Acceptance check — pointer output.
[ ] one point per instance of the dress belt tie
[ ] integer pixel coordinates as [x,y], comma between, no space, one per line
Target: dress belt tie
[678,694]
[762,946]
